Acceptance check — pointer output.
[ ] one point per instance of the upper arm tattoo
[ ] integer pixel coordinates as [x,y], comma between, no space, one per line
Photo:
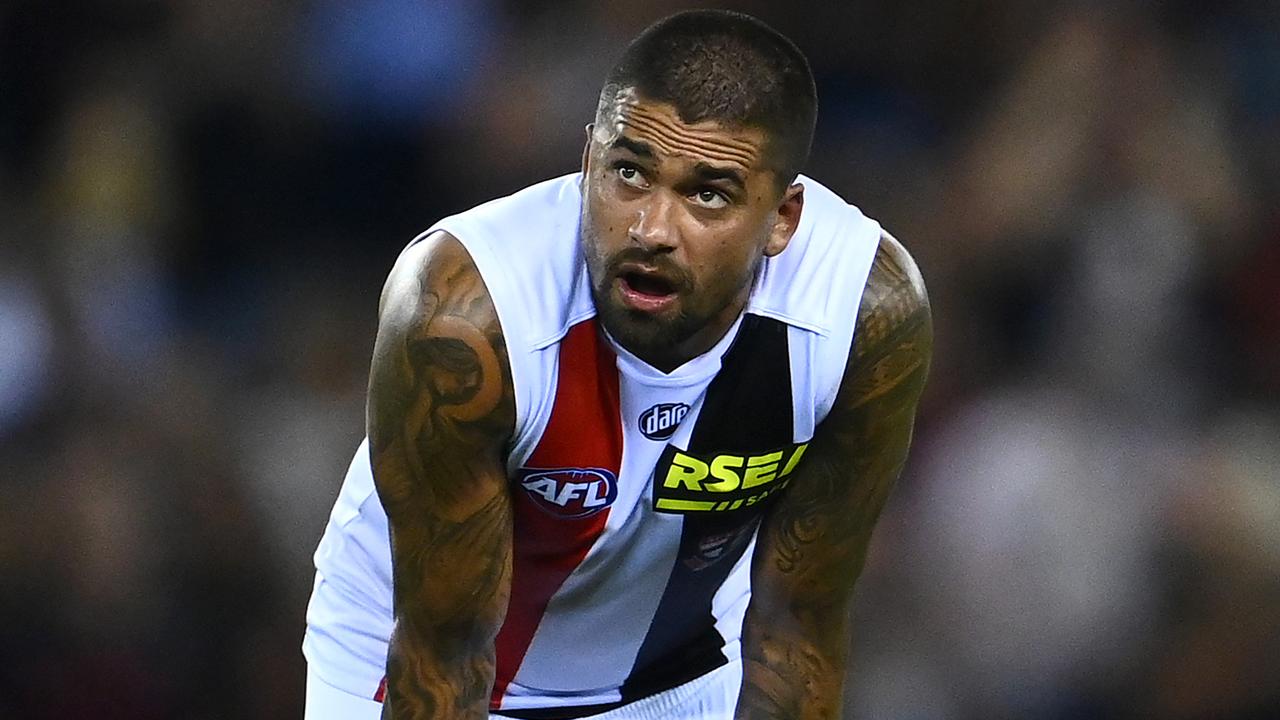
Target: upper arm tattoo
[814,540]
[440,412]
[861,446]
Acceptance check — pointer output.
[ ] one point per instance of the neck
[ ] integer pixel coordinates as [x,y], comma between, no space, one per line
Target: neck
[669,357]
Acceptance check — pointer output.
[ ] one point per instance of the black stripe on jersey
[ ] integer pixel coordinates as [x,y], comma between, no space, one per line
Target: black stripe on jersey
[748,406]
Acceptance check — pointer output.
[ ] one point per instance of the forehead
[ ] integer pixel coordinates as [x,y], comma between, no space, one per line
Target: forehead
[659,126]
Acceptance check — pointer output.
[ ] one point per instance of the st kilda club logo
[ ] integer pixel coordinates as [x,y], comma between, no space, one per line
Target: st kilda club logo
[570,492]
[660,421]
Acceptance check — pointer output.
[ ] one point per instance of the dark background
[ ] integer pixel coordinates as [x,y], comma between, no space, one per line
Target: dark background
[199,200]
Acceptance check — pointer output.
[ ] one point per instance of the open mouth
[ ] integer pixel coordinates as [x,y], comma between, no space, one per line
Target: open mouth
[647,292]
[647,284]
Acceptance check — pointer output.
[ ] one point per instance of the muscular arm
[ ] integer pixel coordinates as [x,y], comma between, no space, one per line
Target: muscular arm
[440,411]
[814,541]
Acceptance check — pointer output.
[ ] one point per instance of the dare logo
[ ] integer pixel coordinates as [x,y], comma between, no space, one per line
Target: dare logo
[570,492]
[660,421]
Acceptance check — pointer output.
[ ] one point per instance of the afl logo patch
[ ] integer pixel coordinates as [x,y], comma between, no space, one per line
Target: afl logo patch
[570,492]
[660,421]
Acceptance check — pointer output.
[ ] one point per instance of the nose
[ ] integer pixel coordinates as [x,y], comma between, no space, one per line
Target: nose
[653,227]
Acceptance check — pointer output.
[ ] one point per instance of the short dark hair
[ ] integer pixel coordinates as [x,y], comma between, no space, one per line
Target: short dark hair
[727,67]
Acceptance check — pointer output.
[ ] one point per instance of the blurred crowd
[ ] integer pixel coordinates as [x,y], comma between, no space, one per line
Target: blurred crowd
[198,202]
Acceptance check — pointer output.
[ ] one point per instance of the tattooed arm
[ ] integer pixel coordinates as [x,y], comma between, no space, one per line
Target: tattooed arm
[813,543]
[440,412]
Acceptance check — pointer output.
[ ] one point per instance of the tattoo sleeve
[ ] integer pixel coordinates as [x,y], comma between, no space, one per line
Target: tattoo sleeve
[440,411]
[813,543]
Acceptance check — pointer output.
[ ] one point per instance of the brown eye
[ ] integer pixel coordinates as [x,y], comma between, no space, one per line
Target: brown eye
[630,175]
[711,199]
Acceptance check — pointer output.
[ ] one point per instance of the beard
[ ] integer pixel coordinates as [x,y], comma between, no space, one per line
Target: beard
[663,338]
[646,335]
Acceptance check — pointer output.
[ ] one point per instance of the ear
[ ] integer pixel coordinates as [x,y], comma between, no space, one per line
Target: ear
[786,220]
[586,149]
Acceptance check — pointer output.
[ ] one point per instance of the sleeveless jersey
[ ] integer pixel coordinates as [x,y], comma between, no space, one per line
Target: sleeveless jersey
[636,493]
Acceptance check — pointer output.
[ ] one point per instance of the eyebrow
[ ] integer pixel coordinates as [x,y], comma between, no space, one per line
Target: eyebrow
[704,172]
[642,149]
[709,173]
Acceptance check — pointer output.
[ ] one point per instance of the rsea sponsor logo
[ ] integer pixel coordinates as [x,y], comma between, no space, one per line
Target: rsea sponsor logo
[720,482]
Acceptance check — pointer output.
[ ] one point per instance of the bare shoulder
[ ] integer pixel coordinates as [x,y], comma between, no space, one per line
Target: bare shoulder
[435,276]
[894,299]
[893,341]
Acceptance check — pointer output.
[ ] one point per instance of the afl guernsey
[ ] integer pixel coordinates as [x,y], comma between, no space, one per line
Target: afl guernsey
[636,493]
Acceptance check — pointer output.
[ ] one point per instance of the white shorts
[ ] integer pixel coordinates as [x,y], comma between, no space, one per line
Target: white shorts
[326,702]
[710,697]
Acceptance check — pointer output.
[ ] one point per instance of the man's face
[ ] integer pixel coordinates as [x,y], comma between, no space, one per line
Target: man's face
[676,219]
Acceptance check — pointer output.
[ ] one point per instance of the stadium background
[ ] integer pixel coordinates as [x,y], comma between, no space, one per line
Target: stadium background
[198,202]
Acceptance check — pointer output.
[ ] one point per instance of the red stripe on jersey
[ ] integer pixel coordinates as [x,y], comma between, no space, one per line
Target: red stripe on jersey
[584,431]
[381,694]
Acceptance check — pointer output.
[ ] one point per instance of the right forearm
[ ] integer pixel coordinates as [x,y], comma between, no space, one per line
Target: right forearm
[450,680]
[452,582]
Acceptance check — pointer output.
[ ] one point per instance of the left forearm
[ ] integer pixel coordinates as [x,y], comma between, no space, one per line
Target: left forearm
[789,678]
